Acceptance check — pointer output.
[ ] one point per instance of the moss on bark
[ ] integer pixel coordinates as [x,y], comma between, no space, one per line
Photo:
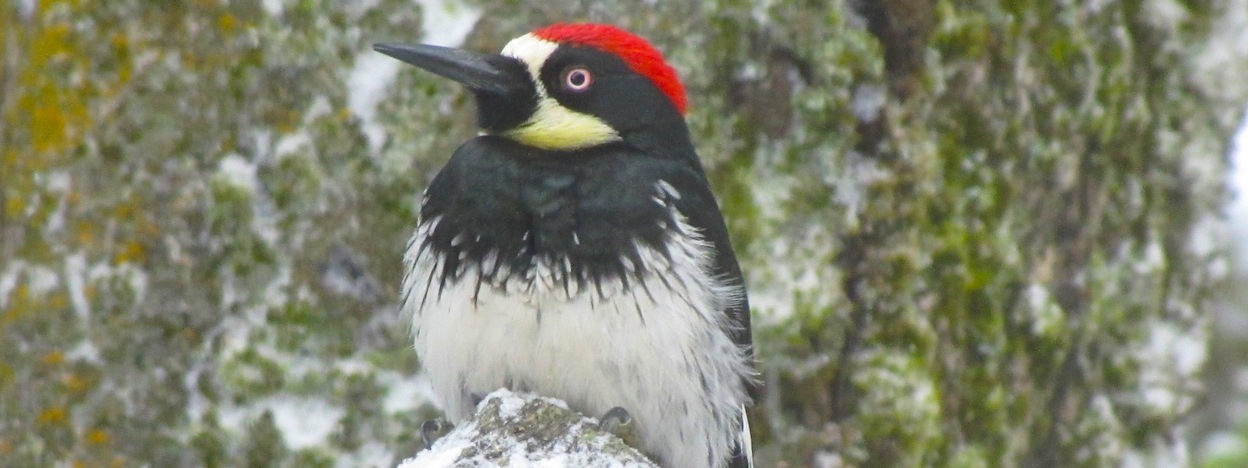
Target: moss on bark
[967,226]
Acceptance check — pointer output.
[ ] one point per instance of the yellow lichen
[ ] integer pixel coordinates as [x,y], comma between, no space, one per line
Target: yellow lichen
[47,130]
[13,206]
[227,22]
[74,383]
[131,251]
[86,232]
[53,358]
[98,436]
[120,43]
[56,300]
[53,415]
[19,303]
[55,112]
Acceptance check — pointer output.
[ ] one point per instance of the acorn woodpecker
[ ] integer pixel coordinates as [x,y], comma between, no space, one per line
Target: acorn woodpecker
[574,249]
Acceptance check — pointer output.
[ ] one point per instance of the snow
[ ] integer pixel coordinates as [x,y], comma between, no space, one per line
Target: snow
[274,7]
[1103,430]
[1170,454]
[575,448]
[58,182]
[1046,315]
[444,24]
[238,172]
[41,280]
[827,460]
[1171,361]
[1167,14]
[75,270]
[1222,62]
[868,100]
[136,278]
[1223,443]
[235,332]
[1238,210]
[1153,259]
[372,454]
[405,393]
[444,452]
[8,281]
[303,422]
[277,290]
[511,405]
[851,188]
[196,402]
[447,23]
[241,173]
[292,143]
[86,351]
[370,77]
[25,8]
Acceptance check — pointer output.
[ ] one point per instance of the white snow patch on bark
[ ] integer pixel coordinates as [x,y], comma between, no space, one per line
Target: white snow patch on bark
[1172,359]
[868,100]
[405,392]
[444,453]
[75,272]
[370,77]
[1165,14]
[238,172]
[41,280]
[303,422]
[1238,210]
[444,23]
[1221,444]
[447,23]
[274,7]
[1222,63]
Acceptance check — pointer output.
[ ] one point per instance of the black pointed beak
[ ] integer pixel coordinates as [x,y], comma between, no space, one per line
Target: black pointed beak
[471,69]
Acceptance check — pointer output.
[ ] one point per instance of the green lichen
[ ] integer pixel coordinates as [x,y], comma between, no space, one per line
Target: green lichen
[969,274]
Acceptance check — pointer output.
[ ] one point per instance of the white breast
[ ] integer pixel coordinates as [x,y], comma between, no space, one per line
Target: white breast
[656,348]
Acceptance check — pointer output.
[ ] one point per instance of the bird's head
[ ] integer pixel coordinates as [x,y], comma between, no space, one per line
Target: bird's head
[565,86]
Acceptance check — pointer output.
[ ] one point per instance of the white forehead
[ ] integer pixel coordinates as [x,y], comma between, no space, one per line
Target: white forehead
[531,50]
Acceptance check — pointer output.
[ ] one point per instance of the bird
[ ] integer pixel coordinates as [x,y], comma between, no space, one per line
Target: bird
[574,248]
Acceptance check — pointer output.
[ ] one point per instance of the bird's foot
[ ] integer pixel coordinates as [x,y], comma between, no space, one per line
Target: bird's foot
[617,421]
[434,429]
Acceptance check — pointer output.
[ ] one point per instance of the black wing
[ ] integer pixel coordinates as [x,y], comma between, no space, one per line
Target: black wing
[704,214]
[698,205]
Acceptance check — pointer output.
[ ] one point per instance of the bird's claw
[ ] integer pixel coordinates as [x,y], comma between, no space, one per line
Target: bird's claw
[434,429]
[617,421]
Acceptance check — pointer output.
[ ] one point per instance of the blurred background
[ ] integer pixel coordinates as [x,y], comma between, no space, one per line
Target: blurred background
[976,234]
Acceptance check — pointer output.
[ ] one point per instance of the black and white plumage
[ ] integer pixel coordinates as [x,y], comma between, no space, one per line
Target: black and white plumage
[591,265]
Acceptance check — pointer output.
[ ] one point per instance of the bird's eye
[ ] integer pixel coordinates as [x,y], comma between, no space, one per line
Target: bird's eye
[577,79]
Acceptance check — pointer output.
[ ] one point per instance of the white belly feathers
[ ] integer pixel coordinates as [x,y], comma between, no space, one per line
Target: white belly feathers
[658,347]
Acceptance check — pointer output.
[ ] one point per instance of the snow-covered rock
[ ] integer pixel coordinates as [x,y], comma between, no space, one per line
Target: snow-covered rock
[524,430]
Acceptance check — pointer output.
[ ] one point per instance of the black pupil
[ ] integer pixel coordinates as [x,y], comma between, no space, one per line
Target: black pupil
[577,78]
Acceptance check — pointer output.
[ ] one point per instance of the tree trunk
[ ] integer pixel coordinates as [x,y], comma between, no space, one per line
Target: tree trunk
[975,233]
